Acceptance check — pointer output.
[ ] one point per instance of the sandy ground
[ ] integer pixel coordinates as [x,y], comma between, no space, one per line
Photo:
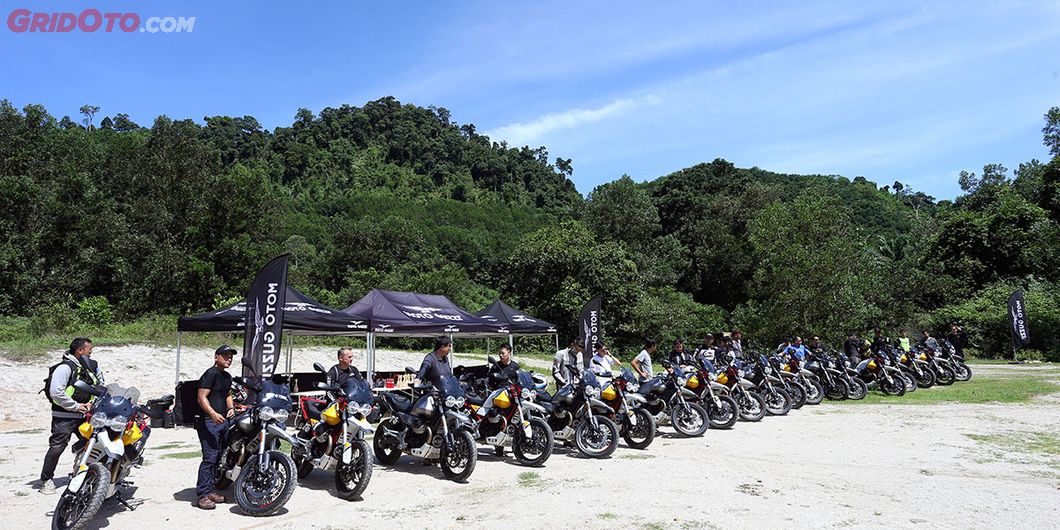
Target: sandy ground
[883,466]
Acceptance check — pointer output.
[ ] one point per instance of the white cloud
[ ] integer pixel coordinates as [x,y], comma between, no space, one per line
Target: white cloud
[526,133]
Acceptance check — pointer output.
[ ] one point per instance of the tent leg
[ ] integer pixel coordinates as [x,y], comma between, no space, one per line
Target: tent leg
[556,336]
[370,354]
[177,378]
[511,343]
[290,352]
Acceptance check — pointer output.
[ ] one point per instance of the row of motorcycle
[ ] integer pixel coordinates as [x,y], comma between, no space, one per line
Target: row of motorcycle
[447,423]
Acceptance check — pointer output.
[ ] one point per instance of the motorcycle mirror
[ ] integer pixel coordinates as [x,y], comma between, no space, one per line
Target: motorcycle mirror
[85,387]
[320,368]
[321,386]
[409,370]
[490,359]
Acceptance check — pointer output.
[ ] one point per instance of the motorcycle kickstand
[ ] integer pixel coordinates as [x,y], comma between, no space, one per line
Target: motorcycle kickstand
[121,500]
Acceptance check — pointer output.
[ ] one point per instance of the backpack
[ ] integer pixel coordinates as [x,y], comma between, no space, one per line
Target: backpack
[51,372]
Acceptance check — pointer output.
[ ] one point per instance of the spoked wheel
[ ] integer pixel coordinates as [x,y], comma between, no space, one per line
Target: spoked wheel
[724,414]
[925,378]
[892,386]
[752,406]
[689,419]
[599,441]
[814,392]
[75,510]
[909,382]
[944,376]
[837,390]
[533,450]
[639,436]
[351,479]
[459,456]
[856,389]
[961,371]
[262,492]
[798,395]
[778,402]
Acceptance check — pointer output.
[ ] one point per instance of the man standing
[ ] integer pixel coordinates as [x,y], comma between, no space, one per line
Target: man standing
[566,360]
[737,344]
[69,404]
[642,362]
[504,370]
[930,342]
[958,338]
[678,355]
[436,364]
[341,372]
[215,400]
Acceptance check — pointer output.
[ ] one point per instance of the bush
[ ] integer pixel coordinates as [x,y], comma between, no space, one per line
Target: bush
[49,319]
[95,311]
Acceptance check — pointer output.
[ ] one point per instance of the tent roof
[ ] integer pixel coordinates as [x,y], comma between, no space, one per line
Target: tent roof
[302,316]
[519,323]
[395,313]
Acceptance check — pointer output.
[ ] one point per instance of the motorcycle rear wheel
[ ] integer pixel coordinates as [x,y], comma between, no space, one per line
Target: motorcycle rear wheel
[384,454]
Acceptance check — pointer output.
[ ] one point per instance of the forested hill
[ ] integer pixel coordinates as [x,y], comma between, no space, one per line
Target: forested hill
[116,221]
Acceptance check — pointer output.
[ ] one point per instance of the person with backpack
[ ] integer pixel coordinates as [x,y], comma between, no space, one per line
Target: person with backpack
[69,404]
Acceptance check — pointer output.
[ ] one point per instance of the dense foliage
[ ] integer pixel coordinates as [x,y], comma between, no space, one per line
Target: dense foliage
[113,222]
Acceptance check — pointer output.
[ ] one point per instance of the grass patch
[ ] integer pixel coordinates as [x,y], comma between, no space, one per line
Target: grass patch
[171,445]
[186,455]
[528,479]
[1017,386]
[607,516]
[636,456]
[26,431]
[653,526]
[1037,443]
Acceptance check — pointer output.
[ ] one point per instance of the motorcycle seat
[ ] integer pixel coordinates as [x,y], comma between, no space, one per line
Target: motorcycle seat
[398,402]
[312,411]
[543,397]
[474,400]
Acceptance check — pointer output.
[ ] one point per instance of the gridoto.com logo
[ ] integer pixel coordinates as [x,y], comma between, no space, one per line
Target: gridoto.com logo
[93,20]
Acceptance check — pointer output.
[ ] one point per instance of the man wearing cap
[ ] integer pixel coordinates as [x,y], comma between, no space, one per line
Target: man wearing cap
[215,400]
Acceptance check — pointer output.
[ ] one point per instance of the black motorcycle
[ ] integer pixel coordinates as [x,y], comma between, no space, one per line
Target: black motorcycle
[768,385]
[667,399]
[265,477]
[721,408]
[788,382]
[856,388]
[430,425]
[835,386]
[577,414]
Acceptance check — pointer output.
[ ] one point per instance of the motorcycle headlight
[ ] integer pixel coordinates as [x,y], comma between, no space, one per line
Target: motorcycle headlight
[117,423]
[98,421]
[767,370]
[682,381]
[533,395]
[632,387]
[525,393]
[453,402]
[592,392]
[269,413]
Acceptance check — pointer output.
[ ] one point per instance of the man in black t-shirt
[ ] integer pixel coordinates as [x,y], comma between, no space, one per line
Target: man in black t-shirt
[341,372]
[215,401]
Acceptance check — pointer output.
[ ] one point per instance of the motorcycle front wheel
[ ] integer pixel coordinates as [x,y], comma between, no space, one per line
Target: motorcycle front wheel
[351,479]
[856,389]
[639,436]
[752,406]
[724,414]
[260,493]
[814,392]
[459,456]
[797,393]
[689,419]
[778,402]
[535,449]
[925,378]
[596,442]
[944,376]
[962,372]
[837,390]
[75,510]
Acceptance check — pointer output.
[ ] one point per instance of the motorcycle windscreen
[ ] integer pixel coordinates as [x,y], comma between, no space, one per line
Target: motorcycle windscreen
[678,371]
[628,376]
[525,380]
[131,393]
[275,395]
[450,386]
[358,391]
[589,378]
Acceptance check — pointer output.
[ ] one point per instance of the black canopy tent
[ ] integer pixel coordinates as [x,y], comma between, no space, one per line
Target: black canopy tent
[302,316]
[517,322]
[404,314]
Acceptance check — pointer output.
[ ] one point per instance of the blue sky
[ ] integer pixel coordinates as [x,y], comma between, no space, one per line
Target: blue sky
[890,90]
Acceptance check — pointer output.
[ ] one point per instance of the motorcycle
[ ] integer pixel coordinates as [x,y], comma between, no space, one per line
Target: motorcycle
[264,477]
[948,352]
[635,425]
[875,372]
[750,404]
[115,433]
[722,410]
[767,384]
[856,388]
[576,414]
[431,426]
[501,420]
[667,399]
[835,387]
[333,435]
[805,378]
[916,368]
[788,383]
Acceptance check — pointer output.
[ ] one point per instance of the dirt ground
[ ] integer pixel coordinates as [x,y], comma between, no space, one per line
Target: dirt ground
[843,465]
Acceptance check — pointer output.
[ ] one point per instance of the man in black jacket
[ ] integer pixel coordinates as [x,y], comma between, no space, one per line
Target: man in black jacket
[504,370]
